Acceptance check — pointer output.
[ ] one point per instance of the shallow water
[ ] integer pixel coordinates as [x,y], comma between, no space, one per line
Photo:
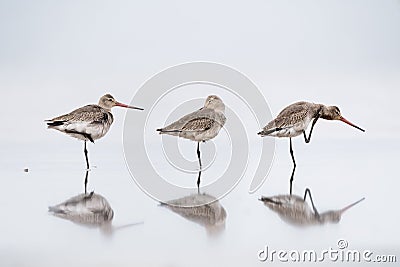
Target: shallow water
[59,55]
[32,237]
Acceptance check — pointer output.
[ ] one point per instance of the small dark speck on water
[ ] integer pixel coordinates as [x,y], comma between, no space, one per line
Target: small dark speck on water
[26,170]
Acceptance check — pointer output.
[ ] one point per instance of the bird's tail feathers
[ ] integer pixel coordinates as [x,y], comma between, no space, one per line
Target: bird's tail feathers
[269,131]
[51,123]
[168,131]
[55,209]
[268,200]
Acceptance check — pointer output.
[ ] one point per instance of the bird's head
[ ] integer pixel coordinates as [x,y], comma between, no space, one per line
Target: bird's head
[330,113]
[108,101]
[334,216]
[333,113]
[215,103]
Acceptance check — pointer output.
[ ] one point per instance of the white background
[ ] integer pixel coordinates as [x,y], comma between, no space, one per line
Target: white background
[58,55]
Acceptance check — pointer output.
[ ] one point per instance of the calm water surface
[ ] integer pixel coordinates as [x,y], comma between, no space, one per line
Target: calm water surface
[32,237]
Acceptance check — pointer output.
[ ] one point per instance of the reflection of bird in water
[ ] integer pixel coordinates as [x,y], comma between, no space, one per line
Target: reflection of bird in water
[202,209]
[88,123]
[201,125]
[91,210]
[294,120]
[295,210]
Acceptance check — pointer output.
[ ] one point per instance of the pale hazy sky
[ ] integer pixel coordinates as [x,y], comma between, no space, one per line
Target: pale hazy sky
[58,55]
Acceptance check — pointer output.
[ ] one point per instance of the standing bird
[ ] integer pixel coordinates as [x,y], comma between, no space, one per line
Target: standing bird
[88,123]
[201,125]
[294,120]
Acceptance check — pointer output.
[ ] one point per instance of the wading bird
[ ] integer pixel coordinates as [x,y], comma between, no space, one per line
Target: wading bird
[88,123]
[294,120]
[200,126]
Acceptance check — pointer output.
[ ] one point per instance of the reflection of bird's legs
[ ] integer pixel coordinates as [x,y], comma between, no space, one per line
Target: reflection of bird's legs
[198,182]
[86,180]
[86,156]
[294,165]
[198,156]
[312,202]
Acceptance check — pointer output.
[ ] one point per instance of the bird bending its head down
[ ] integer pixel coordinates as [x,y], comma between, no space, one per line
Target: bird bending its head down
[333,113]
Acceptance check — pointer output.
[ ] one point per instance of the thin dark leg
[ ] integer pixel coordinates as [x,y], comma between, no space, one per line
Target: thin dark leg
[312,202]
[312,127]
[294,165]
[86,156]
[86,180]
[198,182]
[198,154]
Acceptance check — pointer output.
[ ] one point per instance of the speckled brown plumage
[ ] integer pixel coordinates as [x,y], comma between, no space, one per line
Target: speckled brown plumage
[93,113]
[88,123]
[297,115]
[293,121]
[199,124]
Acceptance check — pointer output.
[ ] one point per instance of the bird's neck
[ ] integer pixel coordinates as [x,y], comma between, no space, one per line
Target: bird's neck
[108,109]
[318,109]
[325,113]
[220,109]
[326,217]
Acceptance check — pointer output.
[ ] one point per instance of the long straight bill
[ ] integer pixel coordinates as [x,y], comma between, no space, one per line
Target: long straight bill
[127,106]
[349,123]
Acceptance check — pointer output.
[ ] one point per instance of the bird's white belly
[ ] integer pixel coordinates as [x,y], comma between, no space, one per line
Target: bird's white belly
[286,132]
[94,130]
[201,136]
[294,130]
[97,131]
